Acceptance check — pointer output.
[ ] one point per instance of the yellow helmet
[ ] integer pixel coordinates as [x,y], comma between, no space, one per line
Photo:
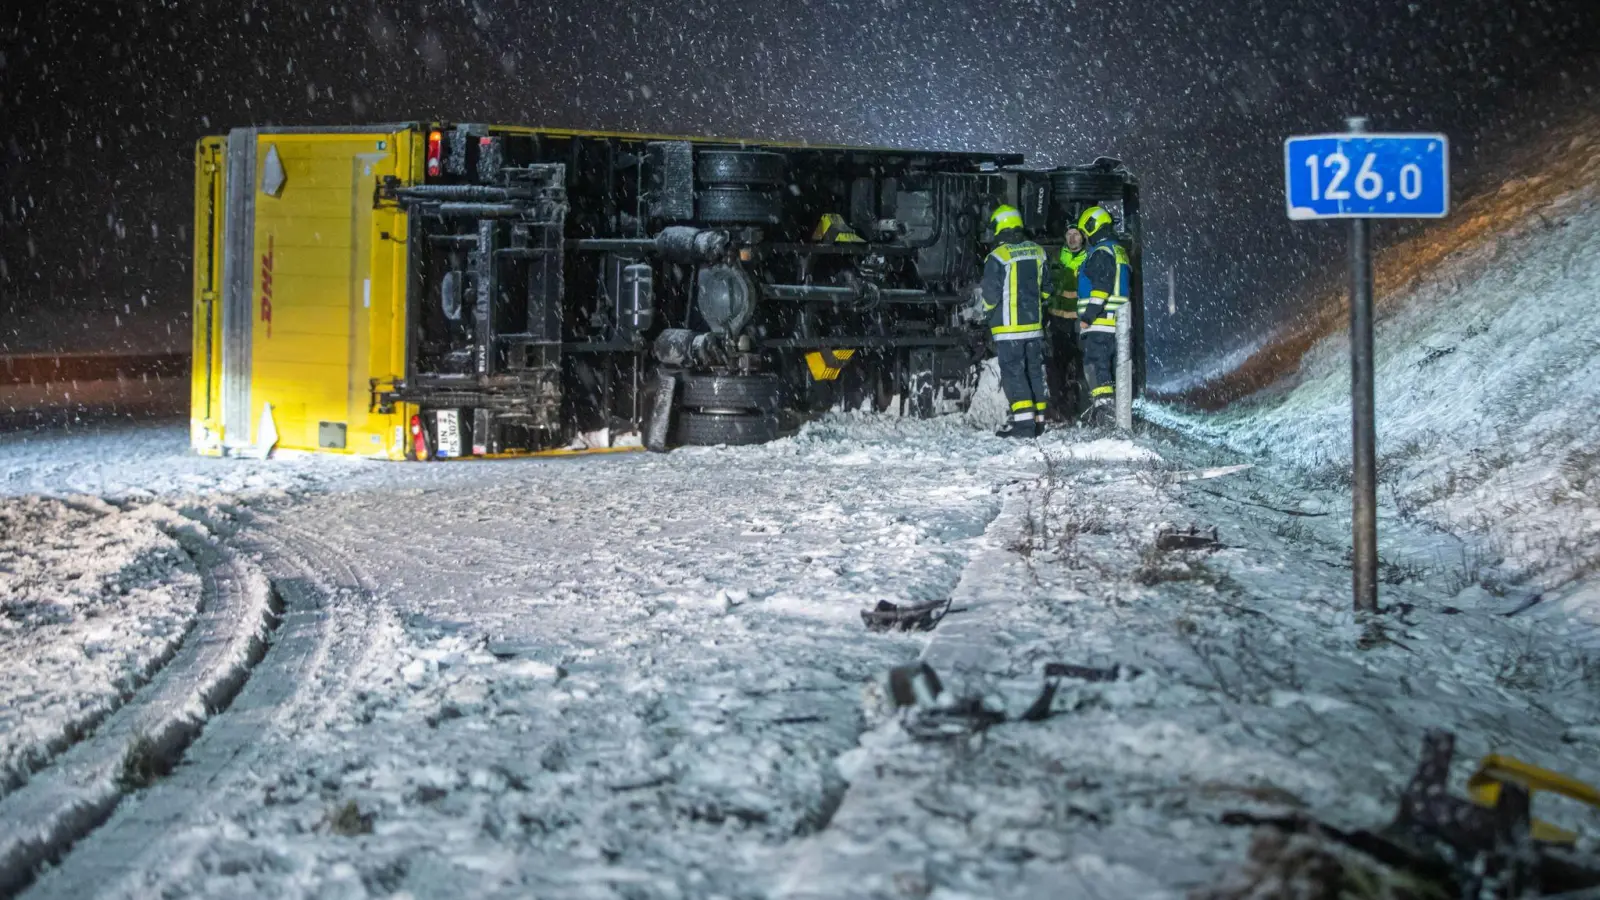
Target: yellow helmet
[1093,219]
[1005,217]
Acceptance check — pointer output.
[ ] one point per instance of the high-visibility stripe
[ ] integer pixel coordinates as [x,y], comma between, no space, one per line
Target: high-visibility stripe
[1011,301]
[1038,406]
[1021,404]
[1104,390]
[1033,333]
[1022,416]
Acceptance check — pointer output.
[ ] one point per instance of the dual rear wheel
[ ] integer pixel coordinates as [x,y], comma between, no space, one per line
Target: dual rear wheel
[729,409]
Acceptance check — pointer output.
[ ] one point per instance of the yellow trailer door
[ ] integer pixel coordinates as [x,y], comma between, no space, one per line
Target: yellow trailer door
[312,303]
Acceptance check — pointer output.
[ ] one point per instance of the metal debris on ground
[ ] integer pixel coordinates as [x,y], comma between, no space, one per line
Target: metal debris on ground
[929,712]
[914,685]
[1039,710]
[1444,846]
[1117,672]
[956,718]
[1168,538]
[912,617]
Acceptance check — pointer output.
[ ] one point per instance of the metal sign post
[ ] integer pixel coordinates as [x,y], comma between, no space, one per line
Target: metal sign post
[1360,176]
[1364,443]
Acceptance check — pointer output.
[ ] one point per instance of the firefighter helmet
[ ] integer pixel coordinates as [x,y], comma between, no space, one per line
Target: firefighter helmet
[1004,218]
[1093,220]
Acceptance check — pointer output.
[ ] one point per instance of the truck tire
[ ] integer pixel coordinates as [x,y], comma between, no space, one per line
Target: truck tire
[739,167]
[736,206]
[1070,186]
[761,393]
[698,429]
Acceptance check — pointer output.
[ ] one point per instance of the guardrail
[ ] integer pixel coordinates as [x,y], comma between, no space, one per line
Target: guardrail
[48,368]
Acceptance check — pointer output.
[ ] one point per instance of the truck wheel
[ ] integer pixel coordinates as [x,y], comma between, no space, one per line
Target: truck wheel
[762,393]
[699,429]
[1070,186]
[739,167]
[722,205]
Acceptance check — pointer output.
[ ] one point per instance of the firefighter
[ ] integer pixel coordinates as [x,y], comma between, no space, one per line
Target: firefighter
[1104,279]
[1016,281]
[1065,369]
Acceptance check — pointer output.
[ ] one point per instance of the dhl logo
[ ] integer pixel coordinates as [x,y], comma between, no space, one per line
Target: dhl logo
[266,286]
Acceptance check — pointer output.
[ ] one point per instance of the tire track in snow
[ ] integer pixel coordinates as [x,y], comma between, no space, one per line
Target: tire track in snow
[325,630]
[84,786]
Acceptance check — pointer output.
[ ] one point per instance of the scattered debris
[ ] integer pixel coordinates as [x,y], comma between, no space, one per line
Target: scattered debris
[1169,538]
[930,712]
[1440,845]
[914,685]
[1039,709]
[1117,672]
[955,718]
[914,617]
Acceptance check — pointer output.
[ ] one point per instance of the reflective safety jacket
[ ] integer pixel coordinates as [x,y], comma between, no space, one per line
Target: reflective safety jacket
[1104,280]
[1016,281]
[1065,301]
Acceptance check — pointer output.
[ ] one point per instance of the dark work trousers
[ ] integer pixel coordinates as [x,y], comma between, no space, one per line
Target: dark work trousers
[1022,377]
[1100,359]
[1065,369]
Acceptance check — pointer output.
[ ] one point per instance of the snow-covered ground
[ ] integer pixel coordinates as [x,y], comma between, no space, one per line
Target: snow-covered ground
[92,601]
[1488,387]
[645,676]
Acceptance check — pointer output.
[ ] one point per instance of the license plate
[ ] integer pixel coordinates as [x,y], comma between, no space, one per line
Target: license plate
[448,429]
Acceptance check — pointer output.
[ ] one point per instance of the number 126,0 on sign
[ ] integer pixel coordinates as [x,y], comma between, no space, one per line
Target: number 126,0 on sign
[1331,176]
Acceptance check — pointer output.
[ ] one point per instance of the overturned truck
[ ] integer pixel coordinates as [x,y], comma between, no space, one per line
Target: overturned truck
[432,290]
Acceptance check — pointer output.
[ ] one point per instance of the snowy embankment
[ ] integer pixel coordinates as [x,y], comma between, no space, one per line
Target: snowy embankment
[92,601]
[1488,386]
[1246,685]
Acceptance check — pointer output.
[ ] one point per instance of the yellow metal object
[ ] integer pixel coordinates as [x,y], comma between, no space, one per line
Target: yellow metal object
[826,365]
[327,291]
[205,428]
[1495,770]
[532,454]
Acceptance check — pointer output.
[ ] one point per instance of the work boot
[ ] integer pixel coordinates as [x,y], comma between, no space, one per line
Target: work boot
[1017,430]
[1038,428]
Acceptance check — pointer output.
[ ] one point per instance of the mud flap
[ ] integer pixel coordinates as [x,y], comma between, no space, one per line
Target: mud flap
[659,429]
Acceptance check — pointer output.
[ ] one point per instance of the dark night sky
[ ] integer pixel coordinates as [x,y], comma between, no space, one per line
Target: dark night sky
[101,103]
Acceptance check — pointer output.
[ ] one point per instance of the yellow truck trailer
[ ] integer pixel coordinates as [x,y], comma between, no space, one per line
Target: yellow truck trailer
[438,290]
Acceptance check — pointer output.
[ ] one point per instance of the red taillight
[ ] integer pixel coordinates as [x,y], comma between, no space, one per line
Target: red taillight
[435,144]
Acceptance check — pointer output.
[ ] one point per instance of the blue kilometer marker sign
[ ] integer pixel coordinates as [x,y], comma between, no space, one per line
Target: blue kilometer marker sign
[1367,176]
